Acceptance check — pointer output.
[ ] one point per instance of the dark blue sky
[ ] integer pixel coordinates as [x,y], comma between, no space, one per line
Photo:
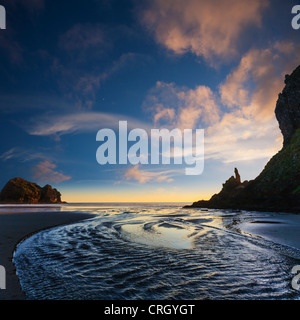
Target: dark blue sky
[67,67]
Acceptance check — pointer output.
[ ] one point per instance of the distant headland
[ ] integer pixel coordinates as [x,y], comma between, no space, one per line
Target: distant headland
[277,188]
[20,191]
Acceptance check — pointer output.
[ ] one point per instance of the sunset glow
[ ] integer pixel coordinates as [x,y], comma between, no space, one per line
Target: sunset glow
[155,64]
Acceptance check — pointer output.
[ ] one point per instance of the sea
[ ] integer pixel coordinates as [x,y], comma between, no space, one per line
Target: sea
[160,251]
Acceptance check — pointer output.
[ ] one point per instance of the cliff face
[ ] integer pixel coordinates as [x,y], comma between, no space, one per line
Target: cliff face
[288,106]
[277,188]
[20,191]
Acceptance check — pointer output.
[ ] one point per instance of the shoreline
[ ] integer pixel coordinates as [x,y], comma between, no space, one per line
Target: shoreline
[204,204]
[279,228]
[15,227]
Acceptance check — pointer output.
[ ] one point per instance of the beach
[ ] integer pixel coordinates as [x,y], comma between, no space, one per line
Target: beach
[15,226]
[147,251]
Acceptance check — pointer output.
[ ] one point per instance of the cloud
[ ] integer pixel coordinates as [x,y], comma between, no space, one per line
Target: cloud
[144,176]
[22,155]
[45,171]
[238,117]
[10,154]
[253,86]
[79,66]
[239,137]
[249,130]
[181,108]
[199,104]
[81,37]
[84,62]
[82,71]
[208,29]
[81,122]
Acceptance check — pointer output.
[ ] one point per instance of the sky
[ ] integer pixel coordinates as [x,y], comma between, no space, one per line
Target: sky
[70,69]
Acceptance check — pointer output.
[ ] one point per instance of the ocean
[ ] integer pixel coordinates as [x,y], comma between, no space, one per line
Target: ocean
[161,252]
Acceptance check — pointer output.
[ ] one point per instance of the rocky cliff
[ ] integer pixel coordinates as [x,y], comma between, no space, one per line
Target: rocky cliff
[20,191]
[287,109]
[277,188]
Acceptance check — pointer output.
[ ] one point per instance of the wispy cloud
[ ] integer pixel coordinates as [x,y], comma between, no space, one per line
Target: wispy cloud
[82,37]
[10,154]
[22,155]
[145,176]
[84,63]
[45,172]
[58,125]
[78,81]
[239,137]
[209,29]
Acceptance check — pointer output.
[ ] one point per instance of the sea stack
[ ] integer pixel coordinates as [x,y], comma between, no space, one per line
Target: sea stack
[20,191]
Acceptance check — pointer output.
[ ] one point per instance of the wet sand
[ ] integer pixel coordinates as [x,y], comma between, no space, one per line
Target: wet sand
[281,228]
[15,226]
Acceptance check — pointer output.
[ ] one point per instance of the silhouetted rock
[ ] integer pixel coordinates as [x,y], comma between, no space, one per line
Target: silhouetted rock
[225,198]
[20,191]
[288,106]
[50,195]
[237,175]
[277,188]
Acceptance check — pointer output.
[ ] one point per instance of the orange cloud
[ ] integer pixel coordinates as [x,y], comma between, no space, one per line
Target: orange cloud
[144,176]
[206,28]
[199,104]
[254,85]
[44,171]
[246,129]
[249,130]
[181,108]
